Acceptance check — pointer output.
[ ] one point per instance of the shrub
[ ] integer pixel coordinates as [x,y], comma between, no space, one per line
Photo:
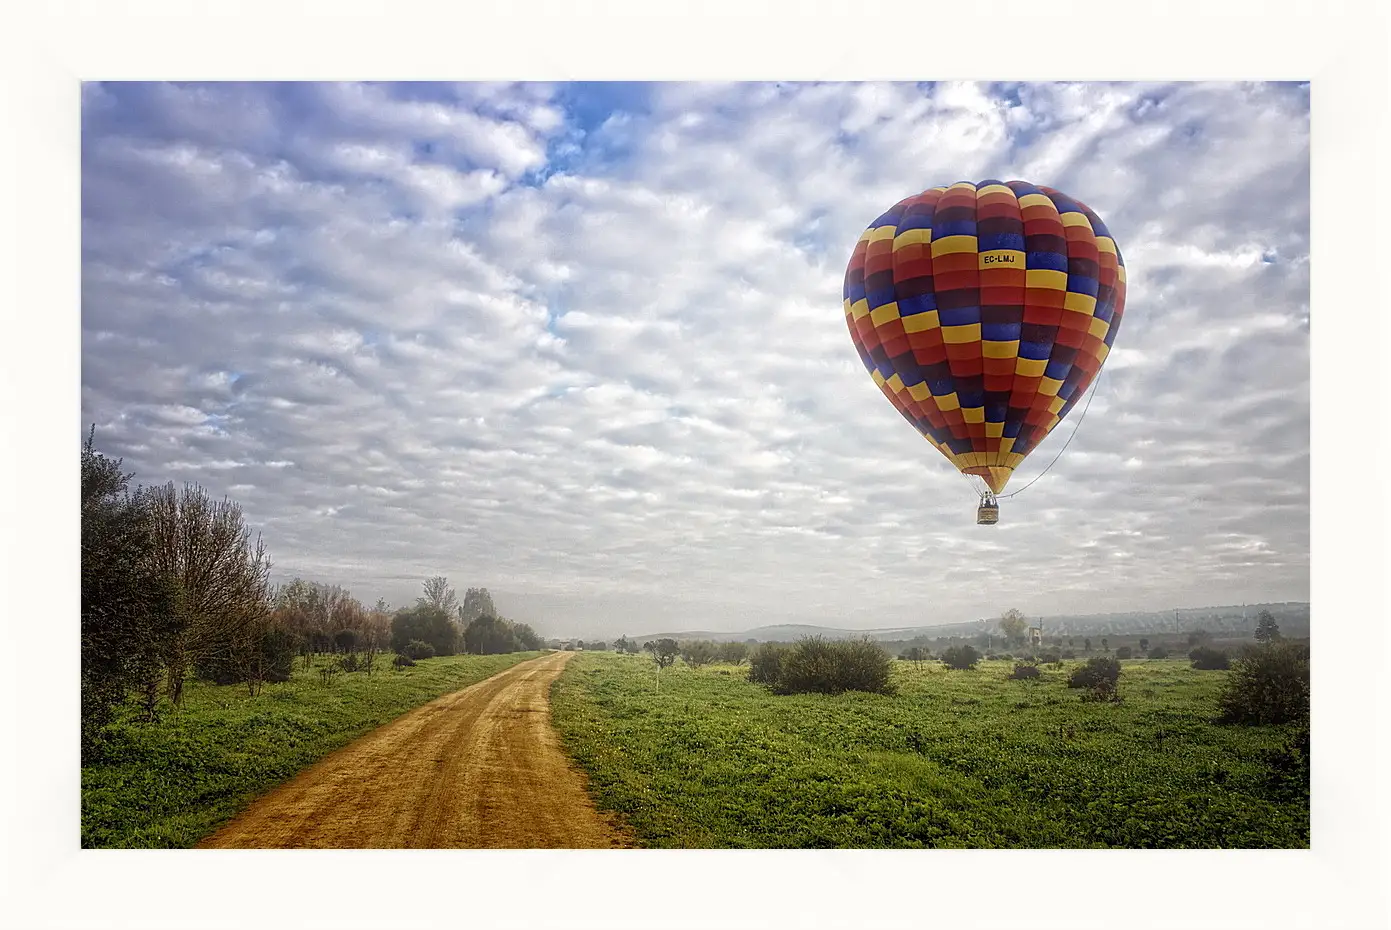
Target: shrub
[960,657]
[696,653]
[350,662]
[419,650]
[1159,652]
[820,666]
[1069,654]
[402,661]
[1049,658]
[345,641]
[278,648]
[1208,659]
[1124,652]
[991,656]
[1098,671]
[1103,691]
[1022,671]
[765,665]
[1269,684]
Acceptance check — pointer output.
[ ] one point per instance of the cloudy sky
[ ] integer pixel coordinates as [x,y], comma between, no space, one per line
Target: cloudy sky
[584,345]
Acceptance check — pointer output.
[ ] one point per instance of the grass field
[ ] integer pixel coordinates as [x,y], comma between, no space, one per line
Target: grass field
[170,783]
[963,759]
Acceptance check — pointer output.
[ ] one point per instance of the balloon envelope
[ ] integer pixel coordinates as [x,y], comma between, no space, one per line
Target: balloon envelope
[983,312]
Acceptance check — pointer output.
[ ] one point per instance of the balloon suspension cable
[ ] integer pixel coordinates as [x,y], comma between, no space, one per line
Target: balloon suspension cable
[1095,383]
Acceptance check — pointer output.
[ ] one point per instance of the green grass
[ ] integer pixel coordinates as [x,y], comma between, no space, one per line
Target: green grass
[170,783]
[960,759]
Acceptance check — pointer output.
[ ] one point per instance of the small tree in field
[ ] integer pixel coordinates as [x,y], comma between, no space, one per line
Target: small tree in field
[765,665]
[1269,684]
[1144,644]
[960,657]
[1267,630]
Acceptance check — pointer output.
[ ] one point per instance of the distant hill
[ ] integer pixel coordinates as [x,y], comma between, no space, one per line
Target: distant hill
[1293,618]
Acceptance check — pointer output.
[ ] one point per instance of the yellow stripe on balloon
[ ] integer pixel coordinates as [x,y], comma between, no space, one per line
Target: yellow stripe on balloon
[1049,386]
[1031,367]
[959,335]
[994,430]
[1106,244]
[919,392]
[881,233]
[1035,200]
[1075,219]
[973,414]
[1083,303]
[921,322]
[993,189]
[950,245]
[894,384]
[1054,405]
[948,402]
[992,349]
[885,314]
[1098,328]
[912,237]
[1001,258]
[859,309]
[878,378]
[1046,278]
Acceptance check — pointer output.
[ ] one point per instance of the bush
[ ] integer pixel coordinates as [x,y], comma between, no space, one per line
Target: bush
[960,657]
[1099,671]
[1208,659]
[1069,654]
[345,641]
[765,665]
[696,653]
[402,661]
[1159,652]
[1022,671]
[419,650]
[278,648]
[1269,684]
[349,662]
[1103,691]
[1124,652]
[1049,658]
[820,666]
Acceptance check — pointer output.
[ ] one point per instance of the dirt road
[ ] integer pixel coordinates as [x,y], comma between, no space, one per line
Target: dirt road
[479,768]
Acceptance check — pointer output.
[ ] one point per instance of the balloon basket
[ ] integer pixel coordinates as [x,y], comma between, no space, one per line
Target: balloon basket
[988,513]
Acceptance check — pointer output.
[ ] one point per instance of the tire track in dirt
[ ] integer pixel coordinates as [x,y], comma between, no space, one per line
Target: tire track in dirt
[479,768]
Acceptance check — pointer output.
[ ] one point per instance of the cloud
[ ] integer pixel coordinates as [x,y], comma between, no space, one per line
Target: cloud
[584,345]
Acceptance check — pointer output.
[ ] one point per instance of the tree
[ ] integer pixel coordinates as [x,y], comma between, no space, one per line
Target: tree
[1087,644]
[1105,644]
[426,624]
[439,595]
[1013,624]
[488,635]
[960,657]
[1267,630]
[1269,684]
[204,549]
[527,638]
[696,653]
[1198,637]
[1144,644]
[733,653]
[915,654]
[624,644]
[477,603]
[128,606]
[664,651]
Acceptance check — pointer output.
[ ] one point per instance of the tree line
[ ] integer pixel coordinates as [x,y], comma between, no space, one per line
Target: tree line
[175,586]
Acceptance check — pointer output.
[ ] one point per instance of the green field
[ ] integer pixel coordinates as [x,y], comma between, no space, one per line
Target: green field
[170,783]
[960,759]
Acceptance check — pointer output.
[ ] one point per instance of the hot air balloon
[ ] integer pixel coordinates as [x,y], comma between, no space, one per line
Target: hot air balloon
[983,312]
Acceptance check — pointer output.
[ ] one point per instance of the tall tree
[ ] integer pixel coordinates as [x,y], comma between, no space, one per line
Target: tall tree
[128,608]
[1013,624]
[204,548]
[1267,630]
[439,595]
[477,603]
